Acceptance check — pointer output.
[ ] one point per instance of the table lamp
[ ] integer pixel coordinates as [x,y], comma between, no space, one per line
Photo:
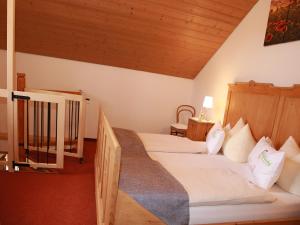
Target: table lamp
[208,103]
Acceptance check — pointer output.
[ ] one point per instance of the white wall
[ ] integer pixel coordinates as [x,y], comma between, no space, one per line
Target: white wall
[243,57]
[131,99]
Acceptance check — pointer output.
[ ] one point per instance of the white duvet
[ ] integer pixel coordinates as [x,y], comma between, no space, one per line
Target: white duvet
[212,179]
[171,143]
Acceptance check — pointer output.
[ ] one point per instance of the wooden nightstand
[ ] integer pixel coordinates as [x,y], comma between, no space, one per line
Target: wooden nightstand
[197,130]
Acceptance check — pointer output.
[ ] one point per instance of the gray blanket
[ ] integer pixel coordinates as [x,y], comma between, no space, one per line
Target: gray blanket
[149,183]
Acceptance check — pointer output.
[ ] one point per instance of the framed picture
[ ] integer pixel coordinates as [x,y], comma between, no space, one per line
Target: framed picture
[284,22]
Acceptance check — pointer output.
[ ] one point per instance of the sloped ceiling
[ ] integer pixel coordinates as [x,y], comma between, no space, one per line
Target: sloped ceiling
[172,37]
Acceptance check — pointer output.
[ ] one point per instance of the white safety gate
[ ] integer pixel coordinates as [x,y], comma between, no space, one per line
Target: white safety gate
[37,133]
[53,124]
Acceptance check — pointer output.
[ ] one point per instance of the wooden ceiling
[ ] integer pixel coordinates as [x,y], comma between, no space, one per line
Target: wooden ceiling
[172,37]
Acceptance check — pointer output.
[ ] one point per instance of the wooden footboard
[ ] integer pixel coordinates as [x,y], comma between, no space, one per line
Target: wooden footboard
[107,167]
[113,205]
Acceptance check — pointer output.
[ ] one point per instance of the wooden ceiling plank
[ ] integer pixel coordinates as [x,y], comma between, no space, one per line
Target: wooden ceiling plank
[111,41]
[217,6]
[196,10]
[66,24]
[121,7]
[114,23]
[91,49]
[157,8]
[157,23]
[123,62]
[123,22]
[245,5]
[76,41]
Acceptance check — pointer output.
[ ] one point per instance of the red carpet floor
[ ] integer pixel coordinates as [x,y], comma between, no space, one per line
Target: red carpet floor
[63,198]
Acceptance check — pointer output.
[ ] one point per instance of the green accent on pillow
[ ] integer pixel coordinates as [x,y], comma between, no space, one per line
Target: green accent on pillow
[264,159]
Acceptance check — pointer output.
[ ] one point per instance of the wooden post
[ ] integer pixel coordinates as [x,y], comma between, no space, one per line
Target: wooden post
[21,84]
[81,128]
[10,78]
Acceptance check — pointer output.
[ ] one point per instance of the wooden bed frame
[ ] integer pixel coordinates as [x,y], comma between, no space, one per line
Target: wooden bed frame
[270,111]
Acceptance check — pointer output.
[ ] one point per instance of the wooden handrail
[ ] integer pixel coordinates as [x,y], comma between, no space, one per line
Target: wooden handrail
[67,92]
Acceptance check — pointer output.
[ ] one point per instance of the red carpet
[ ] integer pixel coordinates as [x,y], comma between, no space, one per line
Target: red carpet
[63,198]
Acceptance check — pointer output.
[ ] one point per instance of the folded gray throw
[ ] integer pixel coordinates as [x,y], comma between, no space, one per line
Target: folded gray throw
[149,183]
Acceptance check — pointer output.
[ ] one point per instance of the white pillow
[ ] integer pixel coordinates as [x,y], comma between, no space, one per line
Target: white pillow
[290,147]
[266,164]
[254,154]
[227,128]
[216,126]
[215,139]
[296,158]
[237,127]
[230,132]
[289,179]
[240,145]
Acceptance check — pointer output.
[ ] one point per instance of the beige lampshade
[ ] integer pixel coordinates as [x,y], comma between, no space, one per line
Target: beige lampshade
[208,102]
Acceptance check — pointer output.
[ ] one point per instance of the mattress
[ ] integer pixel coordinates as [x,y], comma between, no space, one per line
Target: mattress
[287,205]
[171,143]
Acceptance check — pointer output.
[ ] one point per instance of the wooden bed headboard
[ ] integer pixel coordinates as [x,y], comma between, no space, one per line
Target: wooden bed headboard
[270,111]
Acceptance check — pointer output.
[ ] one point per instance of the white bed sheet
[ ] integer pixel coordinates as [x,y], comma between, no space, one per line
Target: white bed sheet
[191,171]
[171,143]
[287,205]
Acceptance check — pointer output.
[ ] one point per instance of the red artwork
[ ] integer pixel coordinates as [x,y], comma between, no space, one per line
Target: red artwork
[284,22]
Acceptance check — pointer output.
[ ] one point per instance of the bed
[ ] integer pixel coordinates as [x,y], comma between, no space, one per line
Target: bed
[286,205]
[273,116]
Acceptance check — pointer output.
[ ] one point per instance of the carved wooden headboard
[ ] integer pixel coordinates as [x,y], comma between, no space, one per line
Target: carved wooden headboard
[270,111]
